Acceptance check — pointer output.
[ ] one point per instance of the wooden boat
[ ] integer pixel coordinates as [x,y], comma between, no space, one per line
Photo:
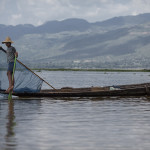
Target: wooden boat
[120,90]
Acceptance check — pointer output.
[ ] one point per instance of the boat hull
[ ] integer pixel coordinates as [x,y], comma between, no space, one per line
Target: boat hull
[124,90]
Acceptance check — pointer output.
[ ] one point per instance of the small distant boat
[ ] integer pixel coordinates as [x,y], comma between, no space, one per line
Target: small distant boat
[120,90]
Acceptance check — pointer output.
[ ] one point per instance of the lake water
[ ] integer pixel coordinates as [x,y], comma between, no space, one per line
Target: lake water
[109,123]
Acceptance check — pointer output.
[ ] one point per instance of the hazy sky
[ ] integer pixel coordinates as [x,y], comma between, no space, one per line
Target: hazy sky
[37,12]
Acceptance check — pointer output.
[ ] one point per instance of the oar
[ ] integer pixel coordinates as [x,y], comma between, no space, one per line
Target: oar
[10,93]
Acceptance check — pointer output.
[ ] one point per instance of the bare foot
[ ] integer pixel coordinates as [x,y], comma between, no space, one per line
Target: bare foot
[7,91]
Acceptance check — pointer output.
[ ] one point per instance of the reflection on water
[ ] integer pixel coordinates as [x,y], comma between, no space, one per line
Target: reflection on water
[107,123]
[10,134]
[7,125]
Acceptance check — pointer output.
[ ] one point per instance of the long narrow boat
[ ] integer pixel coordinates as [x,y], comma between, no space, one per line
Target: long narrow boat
[27,80]
[120,90]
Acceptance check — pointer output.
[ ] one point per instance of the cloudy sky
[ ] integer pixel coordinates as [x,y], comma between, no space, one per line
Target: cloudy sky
[37,12]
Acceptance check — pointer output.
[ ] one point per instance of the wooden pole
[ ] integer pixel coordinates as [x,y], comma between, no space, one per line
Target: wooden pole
[35,74]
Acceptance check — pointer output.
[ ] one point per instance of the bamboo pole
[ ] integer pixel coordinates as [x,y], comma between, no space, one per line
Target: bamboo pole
[10,93]
[35,74]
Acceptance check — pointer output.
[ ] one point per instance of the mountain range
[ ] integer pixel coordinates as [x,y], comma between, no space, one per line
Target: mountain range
[119,42]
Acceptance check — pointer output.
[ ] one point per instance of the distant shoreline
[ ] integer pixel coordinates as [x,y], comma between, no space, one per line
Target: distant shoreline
[96,70]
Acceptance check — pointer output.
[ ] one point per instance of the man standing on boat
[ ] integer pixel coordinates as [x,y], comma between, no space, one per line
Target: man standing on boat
[11,53]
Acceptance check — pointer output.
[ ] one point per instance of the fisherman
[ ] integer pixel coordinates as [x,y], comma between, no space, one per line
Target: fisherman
[11,53]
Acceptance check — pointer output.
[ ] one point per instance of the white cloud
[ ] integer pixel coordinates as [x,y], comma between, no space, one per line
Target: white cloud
[139,6]
[16,16]
[39,11]
[2,7]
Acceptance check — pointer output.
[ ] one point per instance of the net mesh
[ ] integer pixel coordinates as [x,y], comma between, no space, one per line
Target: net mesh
[25,80]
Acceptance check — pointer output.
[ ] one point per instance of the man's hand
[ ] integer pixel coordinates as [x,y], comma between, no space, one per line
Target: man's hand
[16,54]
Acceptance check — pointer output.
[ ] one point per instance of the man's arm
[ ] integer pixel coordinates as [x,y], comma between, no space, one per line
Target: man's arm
[2,49]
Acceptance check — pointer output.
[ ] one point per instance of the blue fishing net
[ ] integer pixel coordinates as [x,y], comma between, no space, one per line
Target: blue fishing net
[3,71]
[26,81]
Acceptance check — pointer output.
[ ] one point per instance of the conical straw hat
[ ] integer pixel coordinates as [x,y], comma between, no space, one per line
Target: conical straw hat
[7,40]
